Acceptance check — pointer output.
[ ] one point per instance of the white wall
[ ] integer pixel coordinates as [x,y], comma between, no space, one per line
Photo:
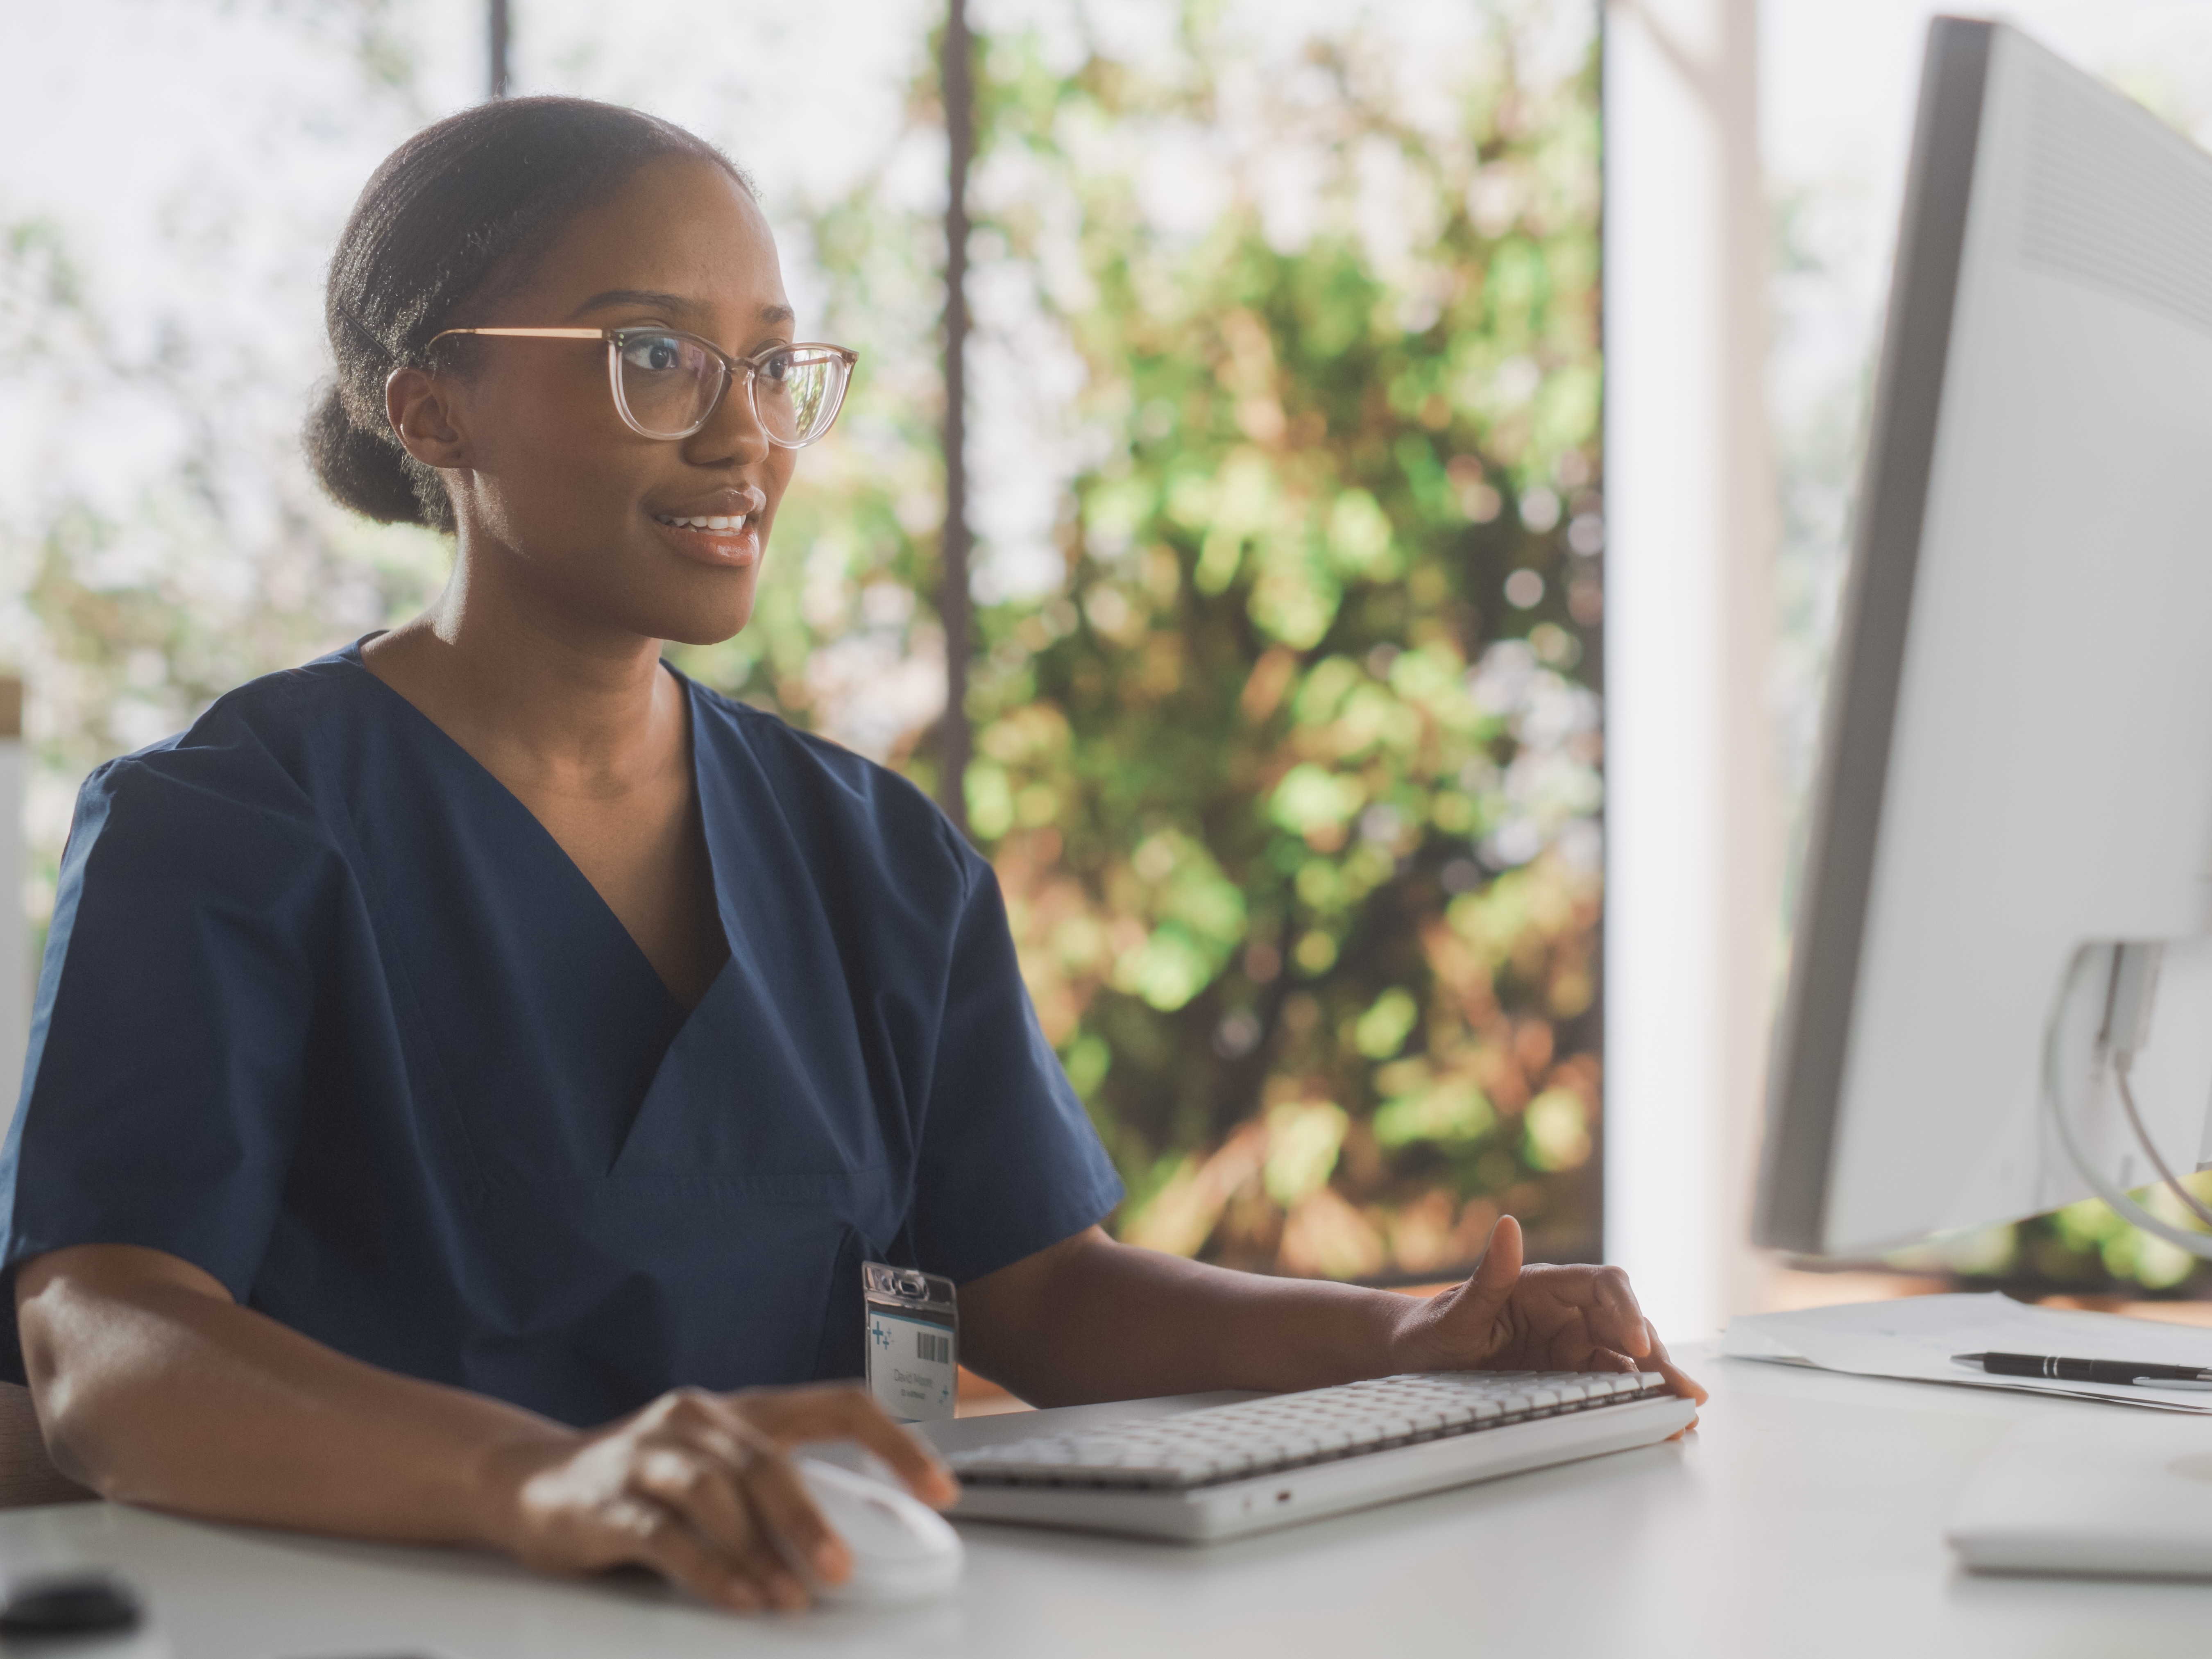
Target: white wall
[1691,827]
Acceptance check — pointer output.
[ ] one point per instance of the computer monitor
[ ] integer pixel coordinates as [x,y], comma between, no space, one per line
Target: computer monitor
[2016,759]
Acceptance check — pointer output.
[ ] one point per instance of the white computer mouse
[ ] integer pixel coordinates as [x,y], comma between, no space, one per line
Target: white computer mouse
[903,1550]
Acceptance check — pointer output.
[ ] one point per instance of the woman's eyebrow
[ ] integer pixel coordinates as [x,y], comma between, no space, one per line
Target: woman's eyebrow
[654,300]
[651,298]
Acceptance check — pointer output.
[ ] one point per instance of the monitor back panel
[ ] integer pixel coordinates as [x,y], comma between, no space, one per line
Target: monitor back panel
[2017,757]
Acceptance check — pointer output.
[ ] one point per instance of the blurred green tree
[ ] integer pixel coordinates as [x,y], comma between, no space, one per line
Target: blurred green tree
[1290,772]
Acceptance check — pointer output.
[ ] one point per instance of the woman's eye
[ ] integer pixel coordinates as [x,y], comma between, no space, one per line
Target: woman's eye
[654,352]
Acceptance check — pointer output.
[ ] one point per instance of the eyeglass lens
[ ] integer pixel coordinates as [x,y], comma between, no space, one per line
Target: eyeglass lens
[669,385]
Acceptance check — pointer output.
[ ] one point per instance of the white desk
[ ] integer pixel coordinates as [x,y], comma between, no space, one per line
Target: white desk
[1804,1519]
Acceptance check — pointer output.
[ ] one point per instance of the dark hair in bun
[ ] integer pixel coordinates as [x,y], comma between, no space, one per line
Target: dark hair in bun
[485,189]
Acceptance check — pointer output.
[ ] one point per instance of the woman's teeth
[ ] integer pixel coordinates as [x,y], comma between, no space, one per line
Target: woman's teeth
[717,522]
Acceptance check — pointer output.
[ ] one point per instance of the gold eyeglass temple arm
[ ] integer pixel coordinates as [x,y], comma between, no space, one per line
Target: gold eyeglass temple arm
[535,333]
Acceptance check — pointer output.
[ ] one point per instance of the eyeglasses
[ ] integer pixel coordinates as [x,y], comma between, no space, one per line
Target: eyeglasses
[667,384]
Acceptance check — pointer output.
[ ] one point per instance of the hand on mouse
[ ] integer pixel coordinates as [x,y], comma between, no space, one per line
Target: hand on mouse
[1508,1317]
[697,1486]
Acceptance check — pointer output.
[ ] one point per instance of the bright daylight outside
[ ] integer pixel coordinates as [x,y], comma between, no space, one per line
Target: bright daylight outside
[1283,721]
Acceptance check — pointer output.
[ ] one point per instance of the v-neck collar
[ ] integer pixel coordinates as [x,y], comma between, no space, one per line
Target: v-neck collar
[351,655]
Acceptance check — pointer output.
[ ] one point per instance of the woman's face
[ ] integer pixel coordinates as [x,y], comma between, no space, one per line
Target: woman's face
[550,476]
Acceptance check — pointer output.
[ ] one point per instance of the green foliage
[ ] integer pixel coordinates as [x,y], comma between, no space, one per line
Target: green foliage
[2085,1249]
[1293,809]
[1270,763]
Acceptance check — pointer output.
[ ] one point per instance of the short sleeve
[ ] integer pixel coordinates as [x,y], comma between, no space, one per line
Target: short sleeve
[1008,1162]
[163,1082]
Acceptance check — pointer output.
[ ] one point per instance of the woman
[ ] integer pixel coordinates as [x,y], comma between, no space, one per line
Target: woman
[469,1070]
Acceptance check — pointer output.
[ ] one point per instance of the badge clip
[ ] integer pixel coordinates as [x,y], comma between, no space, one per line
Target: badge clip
[912,1340]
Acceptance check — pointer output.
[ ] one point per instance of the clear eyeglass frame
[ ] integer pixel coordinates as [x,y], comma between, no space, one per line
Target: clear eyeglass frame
[833,362]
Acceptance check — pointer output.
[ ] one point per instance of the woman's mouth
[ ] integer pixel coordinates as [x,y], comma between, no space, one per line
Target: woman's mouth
[731,541]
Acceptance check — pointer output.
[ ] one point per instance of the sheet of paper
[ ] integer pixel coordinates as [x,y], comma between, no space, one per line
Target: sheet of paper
[1914,1337]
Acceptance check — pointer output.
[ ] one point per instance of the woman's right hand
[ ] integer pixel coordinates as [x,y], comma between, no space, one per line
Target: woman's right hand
[699,1487]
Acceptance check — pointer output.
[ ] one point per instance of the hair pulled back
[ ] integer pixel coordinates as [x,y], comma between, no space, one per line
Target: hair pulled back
[487,188]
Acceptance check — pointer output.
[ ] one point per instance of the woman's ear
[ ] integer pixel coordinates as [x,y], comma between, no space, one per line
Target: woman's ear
[415,405]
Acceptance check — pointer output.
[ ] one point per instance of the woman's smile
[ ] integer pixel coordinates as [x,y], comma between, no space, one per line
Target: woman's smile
[720,528]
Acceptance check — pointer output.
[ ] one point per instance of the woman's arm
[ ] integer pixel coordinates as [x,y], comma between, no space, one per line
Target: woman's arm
[1089,1319]
[153,1387]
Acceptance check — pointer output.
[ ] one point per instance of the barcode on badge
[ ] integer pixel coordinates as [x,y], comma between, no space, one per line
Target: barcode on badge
[934,1349]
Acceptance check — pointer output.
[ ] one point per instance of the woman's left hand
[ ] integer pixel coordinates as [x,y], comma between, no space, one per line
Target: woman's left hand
[1508,1317]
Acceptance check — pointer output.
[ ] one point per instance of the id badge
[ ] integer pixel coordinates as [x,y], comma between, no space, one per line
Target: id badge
[912,1342]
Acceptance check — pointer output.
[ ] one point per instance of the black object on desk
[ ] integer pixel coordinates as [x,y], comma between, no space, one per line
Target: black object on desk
[2127,1372]
[60,1604]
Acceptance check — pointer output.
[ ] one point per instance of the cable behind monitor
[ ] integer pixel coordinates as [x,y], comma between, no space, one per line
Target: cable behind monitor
[2130,1030]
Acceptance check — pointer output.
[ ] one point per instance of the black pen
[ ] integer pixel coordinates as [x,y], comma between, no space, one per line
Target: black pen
[2127,1372]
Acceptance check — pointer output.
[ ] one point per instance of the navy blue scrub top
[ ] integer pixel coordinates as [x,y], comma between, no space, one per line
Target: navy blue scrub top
[326,1012]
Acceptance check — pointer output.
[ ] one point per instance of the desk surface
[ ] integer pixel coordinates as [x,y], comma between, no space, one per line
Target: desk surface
[1805,1519]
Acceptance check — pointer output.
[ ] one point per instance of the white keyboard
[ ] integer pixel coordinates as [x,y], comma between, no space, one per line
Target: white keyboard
[1287,1458]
